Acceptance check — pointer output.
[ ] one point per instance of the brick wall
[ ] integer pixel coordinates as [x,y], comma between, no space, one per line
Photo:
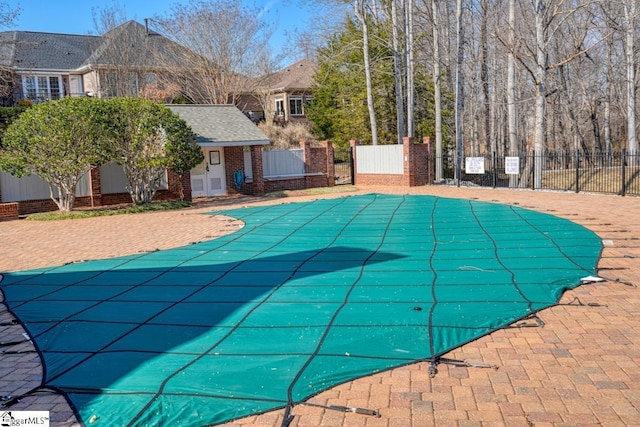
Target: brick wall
[96,187]
[33,206]
[379,179]
[416,167]
[319,168]
[233,161]
[176,184]
[9,211]
[26,207]
[125,198]
[285,184]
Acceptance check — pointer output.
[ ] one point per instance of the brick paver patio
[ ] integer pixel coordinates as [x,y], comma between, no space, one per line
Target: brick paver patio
[581,369]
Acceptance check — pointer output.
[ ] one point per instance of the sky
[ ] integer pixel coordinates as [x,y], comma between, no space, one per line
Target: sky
[75,16]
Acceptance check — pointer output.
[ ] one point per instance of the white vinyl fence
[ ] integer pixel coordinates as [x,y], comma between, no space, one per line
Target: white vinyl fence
[380,159]
[114,181]
[32,187]
[278,164]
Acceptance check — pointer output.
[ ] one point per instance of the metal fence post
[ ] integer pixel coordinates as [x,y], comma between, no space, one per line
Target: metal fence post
[577,163]
[494,160]
[623,188]
[352,166]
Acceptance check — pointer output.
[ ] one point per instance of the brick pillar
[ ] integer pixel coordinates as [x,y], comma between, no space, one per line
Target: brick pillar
[233,161]
[408,177]
[186,186]
[96,188]
[258,172]
[306,156]
[331,167]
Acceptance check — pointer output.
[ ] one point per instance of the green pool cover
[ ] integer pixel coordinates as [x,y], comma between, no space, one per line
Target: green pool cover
[304,297]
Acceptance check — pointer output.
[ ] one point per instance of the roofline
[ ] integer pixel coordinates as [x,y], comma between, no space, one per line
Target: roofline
[44,71]
[49,32]
[232,144]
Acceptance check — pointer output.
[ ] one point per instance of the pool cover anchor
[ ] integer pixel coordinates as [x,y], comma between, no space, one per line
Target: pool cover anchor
[10,400]
[433,365]
[577,303]
[537,323]
[288,417]
[339,408]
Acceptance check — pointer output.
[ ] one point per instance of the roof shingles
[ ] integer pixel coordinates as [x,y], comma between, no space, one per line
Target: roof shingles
[223,125]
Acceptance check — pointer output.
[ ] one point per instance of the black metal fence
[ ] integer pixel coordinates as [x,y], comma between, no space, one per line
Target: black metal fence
[343,165]
[610,173]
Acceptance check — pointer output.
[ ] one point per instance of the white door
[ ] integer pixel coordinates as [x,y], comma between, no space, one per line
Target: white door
[208,178]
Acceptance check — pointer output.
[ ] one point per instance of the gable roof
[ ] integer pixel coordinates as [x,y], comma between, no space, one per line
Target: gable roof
[52,51]
[220,125]
[295,76]
[44,51]
[144,48]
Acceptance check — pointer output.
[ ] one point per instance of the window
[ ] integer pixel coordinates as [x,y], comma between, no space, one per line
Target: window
[114,83]
[109,84]
[132,86]
[42,88]
[75,86]
[295,106]
[150,78]
[280,107]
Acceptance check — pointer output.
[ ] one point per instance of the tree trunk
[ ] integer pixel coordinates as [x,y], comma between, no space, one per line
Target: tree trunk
[459,90]
[437,90]
[630,33]
[397,72]
[362,16]
[484,76]
[606,125]
[541,88]
[410,69]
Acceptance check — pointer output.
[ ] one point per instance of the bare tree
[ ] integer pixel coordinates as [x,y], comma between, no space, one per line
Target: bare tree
[437,88]
[397,71]
[484,74]
[8,15]
[225,42]
[630,29]
[409,13]
[360,9]
[549,17]
[263,85]
[511,82]
[107,18]
[459,87]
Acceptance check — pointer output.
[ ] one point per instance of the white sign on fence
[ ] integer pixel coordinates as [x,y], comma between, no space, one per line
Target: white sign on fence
[512,165]
[474,165]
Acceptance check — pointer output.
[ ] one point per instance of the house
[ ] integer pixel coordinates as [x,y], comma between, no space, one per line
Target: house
[132,60]
[291,89]
[223,132]
[126,61]
[281,95]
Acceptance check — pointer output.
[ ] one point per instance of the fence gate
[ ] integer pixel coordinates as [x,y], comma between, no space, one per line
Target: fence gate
[343,165]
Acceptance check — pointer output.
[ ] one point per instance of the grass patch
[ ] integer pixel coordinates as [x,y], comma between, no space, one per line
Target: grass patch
[312,191]
[120,210]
